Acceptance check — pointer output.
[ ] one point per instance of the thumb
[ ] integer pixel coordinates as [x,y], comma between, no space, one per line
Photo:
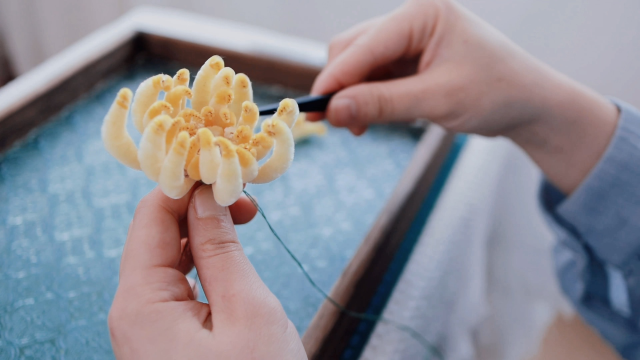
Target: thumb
[377,102]
[228,279]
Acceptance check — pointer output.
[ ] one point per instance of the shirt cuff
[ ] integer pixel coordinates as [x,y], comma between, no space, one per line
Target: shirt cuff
[604,211]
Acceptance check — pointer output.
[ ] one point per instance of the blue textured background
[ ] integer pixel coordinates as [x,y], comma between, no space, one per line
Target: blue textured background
[65,206]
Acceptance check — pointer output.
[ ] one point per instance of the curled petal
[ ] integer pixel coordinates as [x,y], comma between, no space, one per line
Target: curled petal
[194,147]
[152,146]
[115,137]
[242,92]
[218,114]
[262,143]
[228,186]
[288,112]
[193,170]
[176,126]
[191,128]
[249,115]
[209,159]
[223,97]
[223,80]
[146,94]
[225,119]
[303,129]
[216,131]
[193,158]
[172,180]
[158,108]
[203,84]
[241,135]
[283,151]
[208,116]
[192,116]
[181,78]
[176,96]
[248,164]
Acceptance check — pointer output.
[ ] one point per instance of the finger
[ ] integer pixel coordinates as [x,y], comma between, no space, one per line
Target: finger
[154,236]
[346,38]
[337,46]
[397,69]
[394,38]
[242,211]
[227,277]
[378,102]
[315,116]
[358,130]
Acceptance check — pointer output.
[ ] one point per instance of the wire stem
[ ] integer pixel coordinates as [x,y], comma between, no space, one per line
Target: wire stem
[430,348]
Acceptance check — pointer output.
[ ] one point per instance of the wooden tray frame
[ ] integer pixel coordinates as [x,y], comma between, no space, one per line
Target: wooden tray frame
[267,57]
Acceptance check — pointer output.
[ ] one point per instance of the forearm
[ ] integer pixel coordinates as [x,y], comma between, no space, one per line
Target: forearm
[571,132]
[598,251]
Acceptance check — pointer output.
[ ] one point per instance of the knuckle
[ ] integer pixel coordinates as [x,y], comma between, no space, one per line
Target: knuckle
[273,305]
[117,319]
[335,46]
[149,203]
[113,319]
[451,101]
[369,52]
[145,202]
[267,308]
[440,110]
[222,244]
[331,79]
[426,8]
[384,103]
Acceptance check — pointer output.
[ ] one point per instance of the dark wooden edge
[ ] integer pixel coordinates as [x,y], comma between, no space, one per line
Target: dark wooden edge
[330,331]
[259,68]
[262,69]
[6,71]
[18,124]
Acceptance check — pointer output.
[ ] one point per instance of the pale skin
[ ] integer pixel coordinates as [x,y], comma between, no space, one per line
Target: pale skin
[155,315]
[436,60]
[429,59]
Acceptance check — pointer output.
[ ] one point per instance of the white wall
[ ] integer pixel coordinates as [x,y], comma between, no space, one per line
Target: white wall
[594,41]
[37,29]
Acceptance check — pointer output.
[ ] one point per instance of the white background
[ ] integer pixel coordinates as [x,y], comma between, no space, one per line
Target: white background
[594,41]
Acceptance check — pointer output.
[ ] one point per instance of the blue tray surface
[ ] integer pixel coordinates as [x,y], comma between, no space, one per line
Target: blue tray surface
[65,206]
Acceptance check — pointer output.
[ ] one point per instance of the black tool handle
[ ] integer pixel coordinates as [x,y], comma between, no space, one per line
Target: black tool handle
[309,103]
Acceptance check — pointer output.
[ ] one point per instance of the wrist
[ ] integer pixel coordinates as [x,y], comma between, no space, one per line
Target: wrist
[570,132]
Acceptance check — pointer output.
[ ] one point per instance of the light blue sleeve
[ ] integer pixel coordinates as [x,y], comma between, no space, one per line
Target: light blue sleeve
[597,256]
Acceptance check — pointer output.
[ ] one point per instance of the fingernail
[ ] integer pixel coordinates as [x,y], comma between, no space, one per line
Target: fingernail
[206,206]
[344,111]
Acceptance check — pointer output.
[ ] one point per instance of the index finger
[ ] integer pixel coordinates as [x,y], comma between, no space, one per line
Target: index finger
[154,235]
[402,34]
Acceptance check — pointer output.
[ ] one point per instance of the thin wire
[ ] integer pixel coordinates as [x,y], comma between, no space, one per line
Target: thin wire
[432,349]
